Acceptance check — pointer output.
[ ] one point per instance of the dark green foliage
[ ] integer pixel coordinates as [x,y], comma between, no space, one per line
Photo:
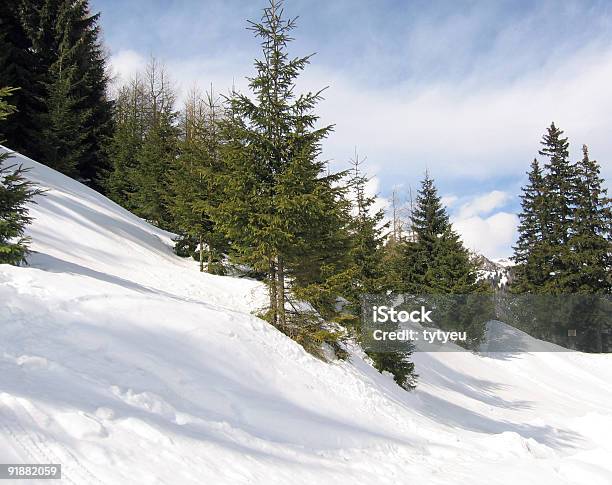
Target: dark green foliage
[195,181]
[154,162]
[15,193]
[531,269]
[558,208]
[6,109]
[54,54]
[564,246]
[397,363]
[145,147]
[590,260]
[19,67]
[368,233]
[64,142]
[276,195]
[129,117]
[366,274]
[435,262]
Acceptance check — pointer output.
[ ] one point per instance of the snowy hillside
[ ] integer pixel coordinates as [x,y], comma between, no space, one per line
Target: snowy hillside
[126,365]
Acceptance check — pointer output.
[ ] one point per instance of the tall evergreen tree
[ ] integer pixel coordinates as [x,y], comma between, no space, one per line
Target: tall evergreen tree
[369,233]
[532,268]
[436,263]
[564,248]
[368,276]
[558,207]
[158,152]
[76,117]
[19,67]
[276,189]
[195,180]
[590,260]
[129,119]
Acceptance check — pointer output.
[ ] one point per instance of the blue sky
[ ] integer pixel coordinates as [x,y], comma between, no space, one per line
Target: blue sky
[462,88]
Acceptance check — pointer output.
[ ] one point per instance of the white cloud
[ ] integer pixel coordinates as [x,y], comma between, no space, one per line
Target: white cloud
[372,189]
[491,236]
[449,200]
[125,64]
[473,127]
[468,128]
[483,204]
[482,228]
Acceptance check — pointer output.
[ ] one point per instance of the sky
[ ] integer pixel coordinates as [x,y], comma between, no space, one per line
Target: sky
[462,89]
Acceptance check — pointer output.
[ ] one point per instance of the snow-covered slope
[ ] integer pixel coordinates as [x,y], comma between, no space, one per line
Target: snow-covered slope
[126,365]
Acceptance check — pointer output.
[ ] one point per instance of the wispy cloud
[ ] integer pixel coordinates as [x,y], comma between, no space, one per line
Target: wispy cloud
[464,89]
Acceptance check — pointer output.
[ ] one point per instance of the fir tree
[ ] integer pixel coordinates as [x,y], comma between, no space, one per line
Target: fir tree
[130,127]
[19,67]
[558,207]
[590,258]
[64,142]
[15,193]
[591,232]
[564,245]
[432,236]
[368,276]
[158,152]
[276,191]
[436,263]
[195,180]
[76,117]
[531,270]
[369,232]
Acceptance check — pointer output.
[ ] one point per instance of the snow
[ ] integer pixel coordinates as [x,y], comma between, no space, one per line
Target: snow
[123,363]
[505,262]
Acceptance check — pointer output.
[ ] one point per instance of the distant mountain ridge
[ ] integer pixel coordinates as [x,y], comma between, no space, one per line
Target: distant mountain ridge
[499,272]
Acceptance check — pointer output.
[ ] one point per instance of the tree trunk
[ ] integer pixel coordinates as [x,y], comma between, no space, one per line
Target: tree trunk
[272,289]
[280,292]
[210,255]
[201,253]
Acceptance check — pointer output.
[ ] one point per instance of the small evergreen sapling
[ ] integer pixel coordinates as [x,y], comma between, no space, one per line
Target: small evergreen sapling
[15,193]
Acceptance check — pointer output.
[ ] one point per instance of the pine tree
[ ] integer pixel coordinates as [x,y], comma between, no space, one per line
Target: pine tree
[64,142]
[158,152]
[368,276]
[531,271]
[591,232]
[590,258]
[15,193]
[558,213]
[195,181]
[130,127]
[369,233]
[433,236]
[563,249]
[76,117]
[19,67]
[437,264]
[277,195]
